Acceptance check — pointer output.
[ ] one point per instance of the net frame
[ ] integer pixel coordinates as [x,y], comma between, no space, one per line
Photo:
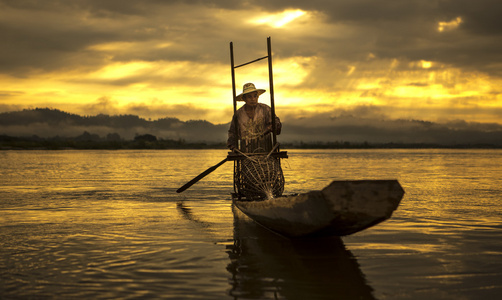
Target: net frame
[259,177]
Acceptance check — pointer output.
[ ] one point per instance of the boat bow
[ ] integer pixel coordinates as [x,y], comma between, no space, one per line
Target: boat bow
[341,208]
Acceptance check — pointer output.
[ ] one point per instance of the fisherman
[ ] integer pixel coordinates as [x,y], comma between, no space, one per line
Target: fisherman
[254,122]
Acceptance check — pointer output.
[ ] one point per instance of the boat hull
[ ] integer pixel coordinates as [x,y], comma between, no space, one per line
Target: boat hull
[341,208]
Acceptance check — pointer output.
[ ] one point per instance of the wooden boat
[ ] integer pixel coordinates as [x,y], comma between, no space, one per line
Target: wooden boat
[341,208]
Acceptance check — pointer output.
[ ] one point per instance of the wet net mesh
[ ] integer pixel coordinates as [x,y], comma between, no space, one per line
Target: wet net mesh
[259,177]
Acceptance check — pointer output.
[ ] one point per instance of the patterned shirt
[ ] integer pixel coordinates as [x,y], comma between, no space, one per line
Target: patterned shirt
[251,130]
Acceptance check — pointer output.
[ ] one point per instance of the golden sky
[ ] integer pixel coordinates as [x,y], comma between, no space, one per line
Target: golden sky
[415,59]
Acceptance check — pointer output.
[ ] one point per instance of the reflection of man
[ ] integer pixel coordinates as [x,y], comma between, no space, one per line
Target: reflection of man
[317,269]
[254,122]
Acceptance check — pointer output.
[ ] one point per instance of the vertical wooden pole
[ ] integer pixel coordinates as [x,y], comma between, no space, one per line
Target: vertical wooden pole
[234,95]
[271,84]
[233,76]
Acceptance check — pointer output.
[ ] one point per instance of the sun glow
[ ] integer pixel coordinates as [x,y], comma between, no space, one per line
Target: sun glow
[453,24]
[426,64]
[279,19]
[113,46]
[122,70]
[158,89]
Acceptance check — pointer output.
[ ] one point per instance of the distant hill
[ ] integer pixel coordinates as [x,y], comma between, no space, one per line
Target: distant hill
[45,122]
[318,131]
[58,117]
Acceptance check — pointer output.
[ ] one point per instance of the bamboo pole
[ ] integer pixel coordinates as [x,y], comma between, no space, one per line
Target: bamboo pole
[271,84]
[233,76]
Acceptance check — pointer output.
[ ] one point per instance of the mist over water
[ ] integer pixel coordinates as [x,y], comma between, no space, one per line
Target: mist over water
[109,224]
[363,124]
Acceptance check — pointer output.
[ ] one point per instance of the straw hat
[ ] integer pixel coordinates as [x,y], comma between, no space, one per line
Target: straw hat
[249,88]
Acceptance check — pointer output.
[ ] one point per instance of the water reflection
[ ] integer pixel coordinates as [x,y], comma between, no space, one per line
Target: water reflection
[186,213]
[264,265]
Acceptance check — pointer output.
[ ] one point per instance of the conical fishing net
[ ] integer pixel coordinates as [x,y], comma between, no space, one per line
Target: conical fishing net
[260,177]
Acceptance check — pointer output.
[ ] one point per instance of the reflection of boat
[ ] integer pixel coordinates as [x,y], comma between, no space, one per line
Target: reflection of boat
[341,208]
[264,265]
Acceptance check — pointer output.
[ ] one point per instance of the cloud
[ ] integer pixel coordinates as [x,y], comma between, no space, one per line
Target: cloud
[427,60]
[57,33]
[451,25]
[153,109]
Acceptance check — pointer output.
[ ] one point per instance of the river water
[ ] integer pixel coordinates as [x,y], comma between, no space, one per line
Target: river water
[109,224]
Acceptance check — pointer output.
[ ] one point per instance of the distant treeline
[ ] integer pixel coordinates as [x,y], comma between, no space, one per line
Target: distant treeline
[93,141]
[147,141]
[46,128]
[57,117]
[366,145]
[46,122]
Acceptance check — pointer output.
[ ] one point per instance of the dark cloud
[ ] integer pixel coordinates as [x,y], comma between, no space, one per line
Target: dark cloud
[57,34]
[409,30]
[344,40]
[481,17]
[10,93]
